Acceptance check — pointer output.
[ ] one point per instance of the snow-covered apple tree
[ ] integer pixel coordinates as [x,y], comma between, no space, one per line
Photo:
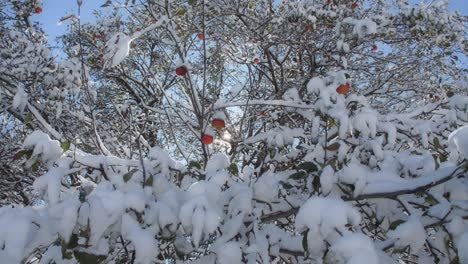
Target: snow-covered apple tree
[222,131]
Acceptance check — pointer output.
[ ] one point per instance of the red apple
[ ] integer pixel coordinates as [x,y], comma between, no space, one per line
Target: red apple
[38,10]
[200,36]
[374,47]
[354,5]
[256,61]
[181,70]
[207,139]
[218,123]
[436,97]
[343,88]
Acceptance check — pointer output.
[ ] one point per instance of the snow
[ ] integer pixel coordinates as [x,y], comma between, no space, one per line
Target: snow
[394,183]
[182,245]
[217,162]
[14,238]
[224,219]
[456,226]
[462,248]
[229,253]
[364,27]
[20,100]
[116,50]
[163,159]
[266,187]
[458,141]
[24,230]
[355,174]
[136,200]
[411,233]
[200,217]
[327,179]
[49,150]
[64,216]
[321,217]
[106,208]
[146,246]
[241,202]
[457,189]
[315,85]
[366,123]
[355,249]
[53,254]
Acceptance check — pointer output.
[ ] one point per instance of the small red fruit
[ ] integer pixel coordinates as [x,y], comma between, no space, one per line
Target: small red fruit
[138,29]
[308,27]
[436,97]
[256,61]
[207,139]
[218,123]
[343,88]
[374,47]
[354,5]
[181,70]
[38,10]
[200,36]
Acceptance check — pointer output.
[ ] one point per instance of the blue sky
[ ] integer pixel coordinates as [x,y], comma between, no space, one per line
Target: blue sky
[53,10]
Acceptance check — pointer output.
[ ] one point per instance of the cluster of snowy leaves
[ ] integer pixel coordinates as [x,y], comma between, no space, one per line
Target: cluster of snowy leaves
[301,172]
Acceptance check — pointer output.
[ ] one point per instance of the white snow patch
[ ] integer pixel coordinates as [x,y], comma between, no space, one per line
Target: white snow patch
[229,253]
[321,216]
[355,249]
[146,246]
[458,140]
[411,233]
[42,145]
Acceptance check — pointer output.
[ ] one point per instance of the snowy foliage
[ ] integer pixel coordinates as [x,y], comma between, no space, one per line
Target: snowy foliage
[235,132]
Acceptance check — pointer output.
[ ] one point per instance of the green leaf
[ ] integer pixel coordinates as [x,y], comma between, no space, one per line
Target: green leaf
[443,158]
[305,244]
[127,176]
[298,175]
[22,153]
[272,153]
[149,181]
[87,258]
[331,122]
[181,11]
[316,183]
[192,2]
[66,254]
[436,143]
[87,148]
[286,185]
[28,118]
[36,165]
[333,147]
[395,224]
[194,164]
[233,169]
[307,166]
[65,145]
[429,200]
